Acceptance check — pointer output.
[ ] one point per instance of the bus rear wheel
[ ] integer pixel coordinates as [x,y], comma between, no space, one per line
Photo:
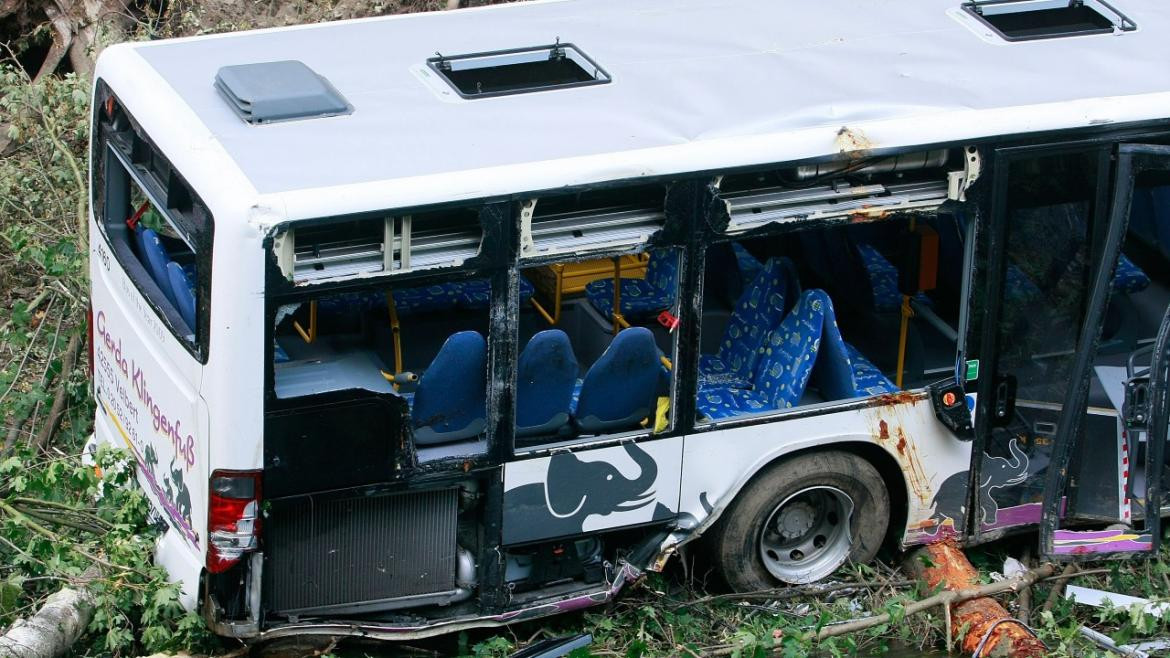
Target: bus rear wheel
[801,519]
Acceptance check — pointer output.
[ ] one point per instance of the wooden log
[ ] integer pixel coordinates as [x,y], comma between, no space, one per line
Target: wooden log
[53,629]
[980,626]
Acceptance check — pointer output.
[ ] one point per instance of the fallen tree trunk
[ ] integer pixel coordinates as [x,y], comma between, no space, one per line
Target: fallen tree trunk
[980,626]
[53,629]
[949,599]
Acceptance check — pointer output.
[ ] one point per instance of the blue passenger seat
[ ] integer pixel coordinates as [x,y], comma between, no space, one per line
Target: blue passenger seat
[437,297]
[1129,278]
[546,375]
[477,293]
[760,309]
[184,292]
[619,389]
[156,257]
[842,372]
[781,375]
[883,279]
[656,292]
[451,401]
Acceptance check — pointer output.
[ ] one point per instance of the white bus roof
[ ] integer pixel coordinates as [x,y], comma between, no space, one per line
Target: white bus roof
[696,85]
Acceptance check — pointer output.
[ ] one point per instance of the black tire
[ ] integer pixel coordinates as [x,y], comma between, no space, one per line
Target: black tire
[736,542]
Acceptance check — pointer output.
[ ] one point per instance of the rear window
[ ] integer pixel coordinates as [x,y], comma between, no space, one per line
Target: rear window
[158,229]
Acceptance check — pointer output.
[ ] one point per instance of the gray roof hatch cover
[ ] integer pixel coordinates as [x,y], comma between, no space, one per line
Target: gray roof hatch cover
[264,92]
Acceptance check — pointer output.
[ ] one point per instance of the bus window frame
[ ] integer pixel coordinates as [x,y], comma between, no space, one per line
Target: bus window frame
[676,422]
[195,228]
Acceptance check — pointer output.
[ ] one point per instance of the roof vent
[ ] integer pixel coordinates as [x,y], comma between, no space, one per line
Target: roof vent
[265,92]
[540,68]
[1028,20]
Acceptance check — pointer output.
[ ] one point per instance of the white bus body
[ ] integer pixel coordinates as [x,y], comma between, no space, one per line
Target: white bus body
[429,191]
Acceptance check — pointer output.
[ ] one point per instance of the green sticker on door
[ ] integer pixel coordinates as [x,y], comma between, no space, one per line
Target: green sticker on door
[973,369]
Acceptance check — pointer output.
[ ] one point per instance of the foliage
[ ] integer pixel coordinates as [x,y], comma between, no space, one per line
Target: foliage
[60,522]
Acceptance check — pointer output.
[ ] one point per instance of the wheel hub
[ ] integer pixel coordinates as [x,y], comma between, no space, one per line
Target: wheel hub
[795,519]
[806,537]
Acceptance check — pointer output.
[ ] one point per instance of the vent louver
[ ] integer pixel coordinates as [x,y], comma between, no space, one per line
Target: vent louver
[266,92]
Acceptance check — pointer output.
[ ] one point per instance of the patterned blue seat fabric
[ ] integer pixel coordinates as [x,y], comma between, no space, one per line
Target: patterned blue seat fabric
[450,403]
[619,389]
[656,292]
[154,256]
[546,375]
[842,372]
[749,266]
[184,291]
[1129,278]
[807,344]
[176,281]
[883,278]
[473,295]
[782,372]
[759,310]
[477,293]
[437,297]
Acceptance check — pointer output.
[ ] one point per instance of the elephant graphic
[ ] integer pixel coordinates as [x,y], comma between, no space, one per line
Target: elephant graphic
[574,490]
[950,501]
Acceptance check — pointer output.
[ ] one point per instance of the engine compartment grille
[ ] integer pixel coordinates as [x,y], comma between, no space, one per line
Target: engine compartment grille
[358,554]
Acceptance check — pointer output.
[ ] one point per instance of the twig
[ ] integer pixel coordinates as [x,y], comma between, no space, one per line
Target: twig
[946,597]
[67,363]
[78,180]
[1058,587]
[24,359]
[781,593]
[1025,610]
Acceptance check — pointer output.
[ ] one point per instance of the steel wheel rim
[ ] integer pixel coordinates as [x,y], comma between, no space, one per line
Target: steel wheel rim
[806,537]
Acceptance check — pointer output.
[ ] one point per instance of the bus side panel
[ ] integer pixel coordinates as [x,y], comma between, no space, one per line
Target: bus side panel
[589,490]
[717,464]
[146,386]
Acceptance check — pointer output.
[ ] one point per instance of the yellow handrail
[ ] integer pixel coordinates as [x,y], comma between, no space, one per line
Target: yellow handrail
[310,335]
[555,317]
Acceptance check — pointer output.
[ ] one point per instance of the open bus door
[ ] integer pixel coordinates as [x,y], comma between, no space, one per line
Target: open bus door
[1145,412]
[1044,259]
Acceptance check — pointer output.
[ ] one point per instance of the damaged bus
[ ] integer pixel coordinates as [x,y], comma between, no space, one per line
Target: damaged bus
[438,321]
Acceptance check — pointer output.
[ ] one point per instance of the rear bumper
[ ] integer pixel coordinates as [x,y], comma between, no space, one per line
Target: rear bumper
[625,575]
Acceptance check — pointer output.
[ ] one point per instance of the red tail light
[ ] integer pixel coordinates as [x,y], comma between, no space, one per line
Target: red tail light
[89,337]
[233,518]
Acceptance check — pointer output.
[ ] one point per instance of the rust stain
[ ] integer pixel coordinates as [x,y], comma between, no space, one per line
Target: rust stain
[901,397]
[883,430]
[853,143]
[916,477]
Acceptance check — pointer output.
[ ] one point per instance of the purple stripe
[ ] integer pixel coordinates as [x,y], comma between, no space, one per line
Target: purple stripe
[169,507]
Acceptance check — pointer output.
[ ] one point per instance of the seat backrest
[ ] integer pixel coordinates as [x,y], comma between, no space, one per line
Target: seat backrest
[184,292]
[618,391]
[833,373]
[451,401]
[545,375]
[759,310]
[790,351]
[662,271]
[155,254]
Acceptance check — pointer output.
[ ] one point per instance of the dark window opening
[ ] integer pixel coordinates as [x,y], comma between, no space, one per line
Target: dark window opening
[156,226]
[1026,20]
[517,71]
